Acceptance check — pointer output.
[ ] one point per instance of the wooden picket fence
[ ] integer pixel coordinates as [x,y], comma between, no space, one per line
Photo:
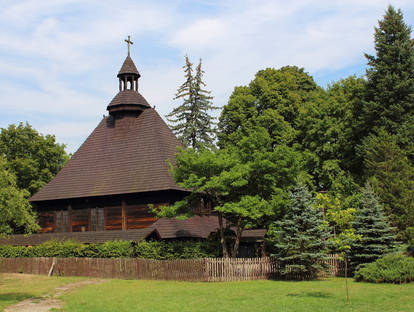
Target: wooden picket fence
[208,269]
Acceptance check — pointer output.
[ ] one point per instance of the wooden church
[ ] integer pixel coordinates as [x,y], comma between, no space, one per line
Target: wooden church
[103,192]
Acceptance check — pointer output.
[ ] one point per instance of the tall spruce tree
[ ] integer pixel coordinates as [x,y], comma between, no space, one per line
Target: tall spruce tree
[191,120]
[390,76]
[377,236]
[301,241]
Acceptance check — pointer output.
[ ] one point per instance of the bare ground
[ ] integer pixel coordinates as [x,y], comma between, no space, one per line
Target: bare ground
[49,301]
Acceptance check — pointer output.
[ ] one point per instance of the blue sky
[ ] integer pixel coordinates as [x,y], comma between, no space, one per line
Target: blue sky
[59,59]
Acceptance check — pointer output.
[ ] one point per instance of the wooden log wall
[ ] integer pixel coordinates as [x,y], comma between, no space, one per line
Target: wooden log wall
[211,270]
[120,217]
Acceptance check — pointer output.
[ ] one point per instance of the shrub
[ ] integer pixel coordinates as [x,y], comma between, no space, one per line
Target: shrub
[392,268]
[160,250]
[410,239]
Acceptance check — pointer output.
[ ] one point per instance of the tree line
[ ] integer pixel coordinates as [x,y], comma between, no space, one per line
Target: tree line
[349,144]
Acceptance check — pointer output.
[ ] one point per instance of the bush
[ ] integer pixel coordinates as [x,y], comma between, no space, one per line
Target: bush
[410,238]
[160,250]
[392,268]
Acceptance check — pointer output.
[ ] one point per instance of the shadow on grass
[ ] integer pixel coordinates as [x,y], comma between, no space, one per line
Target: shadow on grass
[14,297]
[313,294]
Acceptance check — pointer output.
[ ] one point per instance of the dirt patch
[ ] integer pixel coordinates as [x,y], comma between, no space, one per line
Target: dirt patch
[7,276]
[49,301]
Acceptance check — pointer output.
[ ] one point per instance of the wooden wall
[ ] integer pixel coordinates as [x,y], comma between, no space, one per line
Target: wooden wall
[73,219]
[112,212]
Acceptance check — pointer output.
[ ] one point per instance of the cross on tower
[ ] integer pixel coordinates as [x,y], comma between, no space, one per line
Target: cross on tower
[129,43]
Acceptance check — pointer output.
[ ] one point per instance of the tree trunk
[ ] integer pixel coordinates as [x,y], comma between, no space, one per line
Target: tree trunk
[346,279]
[239,231]
[222,238]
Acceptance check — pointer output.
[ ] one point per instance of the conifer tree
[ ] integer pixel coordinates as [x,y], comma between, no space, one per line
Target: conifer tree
[301,241]
[390,76]
[191,121]
[391,176]
[377,236]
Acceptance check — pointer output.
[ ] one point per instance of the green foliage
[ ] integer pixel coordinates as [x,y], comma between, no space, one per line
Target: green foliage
[339,218]
[330,132]
[409,234]
[177,250]
[300,242]
[392,268]
[16,215]
[297,113]
[391,176]
[246,184]
[273,101]
[377,236]
[390,77]
[160,250]
[33,158]
[191,121]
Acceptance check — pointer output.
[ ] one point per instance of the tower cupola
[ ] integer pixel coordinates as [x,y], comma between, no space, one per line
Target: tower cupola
[128,98]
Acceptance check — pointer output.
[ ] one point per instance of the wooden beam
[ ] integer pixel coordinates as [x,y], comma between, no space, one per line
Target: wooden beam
[96,218]
[55,223]
[124,218]
[61,221]
[70,217]
[105,217]
[89,219]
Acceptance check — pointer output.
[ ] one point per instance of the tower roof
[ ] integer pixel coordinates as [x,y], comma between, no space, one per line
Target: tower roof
[128,99]
[128,67]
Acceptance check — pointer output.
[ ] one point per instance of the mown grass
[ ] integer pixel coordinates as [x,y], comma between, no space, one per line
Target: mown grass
[324,295]
[17,287]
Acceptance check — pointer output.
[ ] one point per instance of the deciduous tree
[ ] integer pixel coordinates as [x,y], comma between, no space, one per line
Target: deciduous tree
[16,215]
[246,185]
[32,157]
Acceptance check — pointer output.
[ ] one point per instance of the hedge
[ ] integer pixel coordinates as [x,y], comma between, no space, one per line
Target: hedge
[392,268]
[160,250]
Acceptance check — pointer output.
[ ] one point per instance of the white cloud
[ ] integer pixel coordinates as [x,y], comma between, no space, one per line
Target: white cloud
[203,33]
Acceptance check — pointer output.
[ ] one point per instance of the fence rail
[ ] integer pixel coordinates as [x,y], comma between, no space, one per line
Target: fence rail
[208,269]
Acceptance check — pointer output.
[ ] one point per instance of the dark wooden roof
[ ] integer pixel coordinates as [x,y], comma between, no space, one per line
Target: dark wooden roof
[128,67]
[194,227]
[128,97]
[83,237]
[122,155]
[197,227]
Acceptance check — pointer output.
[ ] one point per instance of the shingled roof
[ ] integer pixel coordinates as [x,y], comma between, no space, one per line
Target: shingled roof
[198,227]
[128,67]
[128,97]
[122,155]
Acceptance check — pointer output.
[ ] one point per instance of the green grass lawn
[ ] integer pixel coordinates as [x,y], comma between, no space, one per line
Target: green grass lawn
[324,295]
[17,287]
